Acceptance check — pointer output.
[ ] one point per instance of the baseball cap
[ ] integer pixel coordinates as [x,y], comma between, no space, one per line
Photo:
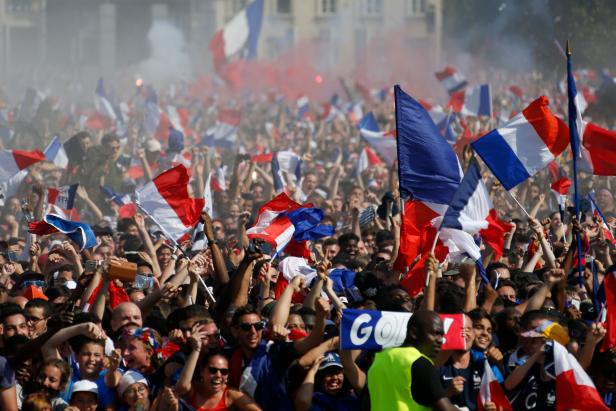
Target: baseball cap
[550,331]
[153,146]
[331,360]
[85,386]
[129,378]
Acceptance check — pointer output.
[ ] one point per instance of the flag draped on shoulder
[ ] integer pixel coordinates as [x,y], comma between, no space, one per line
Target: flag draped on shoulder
[166,200]
[13,161]
[80,233]
[526,144]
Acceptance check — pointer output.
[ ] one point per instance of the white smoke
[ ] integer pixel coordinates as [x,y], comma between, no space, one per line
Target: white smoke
[169,57]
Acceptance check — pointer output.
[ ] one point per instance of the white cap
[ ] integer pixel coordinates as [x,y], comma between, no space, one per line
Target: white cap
[85,386]
[129,378]
[153,145]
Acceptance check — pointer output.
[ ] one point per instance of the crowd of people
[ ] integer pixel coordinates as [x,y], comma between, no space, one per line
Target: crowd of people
[217,328]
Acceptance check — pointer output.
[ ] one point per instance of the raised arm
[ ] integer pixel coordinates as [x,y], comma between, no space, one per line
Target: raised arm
[91,330]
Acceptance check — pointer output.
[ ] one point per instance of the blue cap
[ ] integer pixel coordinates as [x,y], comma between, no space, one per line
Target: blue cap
[331,360]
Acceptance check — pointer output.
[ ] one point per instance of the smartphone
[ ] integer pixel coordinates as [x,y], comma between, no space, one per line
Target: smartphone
[143,282]
[90,266]
[12,256]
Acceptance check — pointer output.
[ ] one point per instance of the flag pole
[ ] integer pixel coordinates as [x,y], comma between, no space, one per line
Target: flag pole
[175,243]
[573,142]
[519,204]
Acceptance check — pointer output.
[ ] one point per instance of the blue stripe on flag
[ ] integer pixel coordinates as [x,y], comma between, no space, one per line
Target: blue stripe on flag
[485,101]
[460,199]
[428,167]
[254,16]
[501,159]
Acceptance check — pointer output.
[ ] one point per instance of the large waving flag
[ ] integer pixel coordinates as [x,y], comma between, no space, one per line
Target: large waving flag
[451,79]
[429,175]
[166,200]
[282,220]
[239,37]
[80,233]
[471,212]
[574,388]
[384,143]
[13,161]
[102,103]
[525,145]
[224,133]
[599,150]
[474,101]
[55,153]
[273,225]
[490,390]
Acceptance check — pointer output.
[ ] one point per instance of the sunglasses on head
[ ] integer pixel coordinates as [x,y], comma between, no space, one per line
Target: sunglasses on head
[214,371]
[247,326]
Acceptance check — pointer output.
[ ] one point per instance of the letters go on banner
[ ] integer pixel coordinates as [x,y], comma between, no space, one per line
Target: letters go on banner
[375,330]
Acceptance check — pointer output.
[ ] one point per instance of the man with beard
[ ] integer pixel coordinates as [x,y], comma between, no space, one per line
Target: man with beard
[404,378]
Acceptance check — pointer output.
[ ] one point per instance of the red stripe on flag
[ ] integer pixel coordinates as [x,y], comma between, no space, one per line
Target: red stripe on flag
[25,159]
[552,130]
[601,145]
[172,185]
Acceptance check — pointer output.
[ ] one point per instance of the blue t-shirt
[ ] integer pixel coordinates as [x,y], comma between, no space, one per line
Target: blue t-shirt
[325,402]
[106,395]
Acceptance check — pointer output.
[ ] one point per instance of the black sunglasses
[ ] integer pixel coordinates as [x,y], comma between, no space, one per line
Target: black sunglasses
[247,326]
[214,370]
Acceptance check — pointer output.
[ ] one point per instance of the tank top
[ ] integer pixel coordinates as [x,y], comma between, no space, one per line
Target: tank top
[221,406]
[389,380]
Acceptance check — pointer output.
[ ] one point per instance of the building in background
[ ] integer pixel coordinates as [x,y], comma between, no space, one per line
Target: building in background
[90,38]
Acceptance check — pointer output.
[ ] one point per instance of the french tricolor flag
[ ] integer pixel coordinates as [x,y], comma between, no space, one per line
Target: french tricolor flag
[285,163]
[367,158]
[303,107]
[474,101]
[451,79]
[574,388]
[239,37]
[469,213]
[13,161]
[152,111]
[384,143]
[599,150]
[62,197]
[609,236]
[490,390]
[55,153]
[80,233]
[224,133]
[102,103]
[525,145]
[166,200]
[273,225]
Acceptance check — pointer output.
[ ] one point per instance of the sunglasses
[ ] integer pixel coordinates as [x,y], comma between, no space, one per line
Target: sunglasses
[36,283]
[247,326]
[214,371]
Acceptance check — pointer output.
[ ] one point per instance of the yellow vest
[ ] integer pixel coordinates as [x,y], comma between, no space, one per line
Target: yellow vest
[389,380]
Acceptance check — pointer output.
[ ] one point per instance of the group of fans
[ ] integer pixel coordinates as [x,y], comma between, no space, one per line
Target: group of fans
[218,327]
